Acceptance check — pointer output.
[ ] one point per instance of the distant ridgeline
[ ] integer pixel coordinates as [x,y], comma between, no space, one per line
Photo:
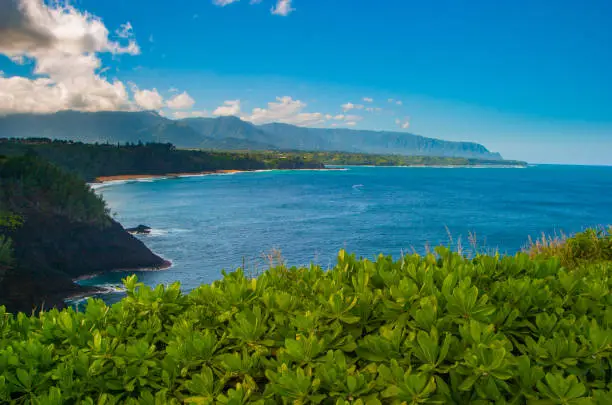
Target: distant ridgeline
[228,133]
[90,161]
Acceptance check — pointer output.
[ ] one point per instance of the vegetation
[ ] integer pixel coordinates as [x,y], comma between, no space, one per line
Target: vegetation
[440,328]
[28,184]
[366,159]
[589,246]
[90,161]
[362,159]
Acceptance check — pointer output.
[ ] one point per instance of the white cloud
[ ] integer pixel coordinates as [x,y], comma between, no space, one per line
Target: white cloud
[63,43]
[181,101]
[255,2]
[391,100]
[399,102]
[125,31]
[223,3]
[373,109]
[353,118]
[368,99]
[347,107]
[350,106]
[283,7]
[173,90]
[339,117]
[230,107]
[352,123]
[285,110]
[404,124]
[148,99]
[190,114]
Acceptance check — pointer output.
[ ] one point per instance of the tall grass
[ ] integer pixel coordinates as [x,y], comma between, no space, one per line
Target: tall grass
[592,245]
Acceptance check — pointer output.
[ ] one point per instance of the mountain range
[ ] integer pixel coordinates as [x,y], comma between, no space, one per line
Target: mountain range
[227,133]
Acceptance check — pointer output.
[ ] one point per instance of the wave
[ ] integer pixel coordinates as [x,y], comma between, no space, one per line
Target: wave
[110,183]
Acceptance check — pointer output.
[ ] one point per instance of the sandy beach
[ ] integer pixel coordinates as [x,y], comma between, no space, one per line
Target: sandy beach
[104,179]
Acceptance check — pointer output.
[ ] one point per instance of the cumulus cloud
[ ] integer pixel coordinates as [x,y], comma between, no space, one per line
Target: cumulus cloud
[404,124]
[285,110]
[283,8]
[126,31]
[148,99]
[350,106]
[353,118]
[190,114]
[63,44]
[223,3]
[230,107]
[351,123]
[181,101]
[368,99]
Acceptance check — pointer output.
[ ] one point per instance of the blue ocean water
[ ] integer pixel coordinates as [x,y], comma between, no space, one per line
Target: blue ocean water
[208,223]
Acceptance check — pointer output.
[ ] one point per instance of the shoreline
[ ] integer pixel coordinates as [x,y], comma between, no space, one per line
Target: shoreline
[438,166]
[123,177]
[165,266]
[140,177]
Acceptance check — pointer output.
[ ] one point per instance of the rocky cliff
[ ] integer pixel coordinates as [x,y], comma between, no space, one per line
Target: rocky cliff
[64,232]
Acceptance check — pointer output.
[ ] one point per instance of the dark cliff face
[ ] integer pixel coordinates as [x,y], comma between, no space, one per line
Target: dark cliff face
[50,251]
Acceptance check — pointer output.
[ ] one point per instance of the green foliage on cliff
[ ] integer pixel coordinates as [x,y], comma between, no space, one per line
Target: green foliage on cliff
[362,159]
[30,184]
[438,329]
[95,160]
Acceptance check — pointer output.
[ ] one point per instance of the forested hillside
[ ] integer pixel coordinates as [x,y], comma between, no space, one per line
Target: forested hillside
[96,160]
[54,228]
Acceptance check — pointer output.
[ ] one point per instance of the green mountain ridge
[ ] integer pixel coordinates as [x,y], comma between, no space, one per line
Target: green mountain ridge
[227,133]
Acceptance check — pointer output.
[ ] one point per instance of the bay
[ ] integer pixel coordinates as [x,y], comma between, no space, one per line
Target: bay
[209,223]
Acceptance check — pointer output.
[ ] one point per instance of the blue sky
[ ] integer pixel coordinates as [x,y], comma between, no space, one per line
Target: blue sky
[530,79]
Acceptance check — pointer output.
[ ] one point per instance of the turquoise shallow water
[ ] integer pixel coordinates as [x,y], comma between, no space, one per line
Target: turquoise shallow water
[205,224]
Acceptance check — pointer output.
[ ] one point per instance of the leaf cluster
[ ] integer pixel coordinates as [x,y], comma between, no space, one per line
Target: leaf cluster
[435,329]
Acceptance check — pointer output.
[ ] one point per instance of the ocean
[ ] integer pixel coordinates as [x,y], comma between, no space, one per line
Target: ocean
[208,223]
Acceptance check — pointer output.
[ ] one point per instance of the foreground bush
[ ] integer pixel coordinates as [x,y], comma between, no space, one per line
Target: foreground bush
[437,329]
[592,245]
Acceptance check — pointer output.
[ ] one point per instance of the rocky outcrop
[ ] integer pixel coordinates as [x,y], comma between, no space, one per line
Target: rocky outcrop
[50,252]
[139,230]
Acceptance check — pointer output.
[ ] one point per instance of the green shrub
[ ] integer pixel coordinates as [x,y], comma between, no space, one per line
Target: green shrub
[6,250]
[586,247]
[439,329]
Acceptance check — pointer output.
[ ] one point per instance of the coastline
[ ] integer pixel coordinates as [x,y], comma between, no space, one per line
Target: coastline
[123,177]
[438,166]
[141,177]
[167,264]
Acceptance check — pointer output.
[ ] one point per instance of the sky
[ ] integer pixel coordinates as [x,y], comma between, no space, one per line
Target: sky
[530,79]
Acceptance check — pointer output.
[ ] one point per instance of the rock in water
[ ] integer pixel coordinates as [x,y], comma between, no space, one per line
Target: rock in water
[140,230]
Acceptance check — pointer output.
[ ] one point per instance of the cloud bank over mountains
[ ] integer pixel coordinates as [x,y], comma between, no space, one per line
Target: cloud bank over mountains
[65,46]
